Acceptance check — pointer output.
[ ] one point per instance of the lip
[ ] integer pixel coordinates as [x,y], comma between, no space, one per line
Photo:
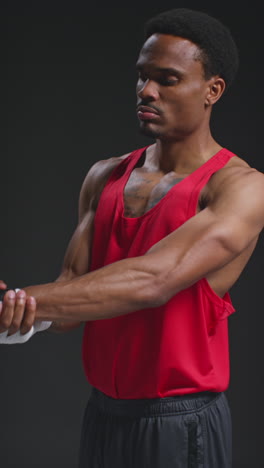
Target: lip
[147,113]
[146,109]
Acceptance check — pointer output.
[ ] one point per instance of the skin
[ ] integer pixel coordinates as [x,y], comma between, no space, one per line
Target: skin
[216,243]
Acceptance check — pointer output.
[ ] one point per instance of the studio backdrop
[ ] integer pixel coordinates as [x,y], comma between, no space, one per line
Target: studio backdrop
[70,82]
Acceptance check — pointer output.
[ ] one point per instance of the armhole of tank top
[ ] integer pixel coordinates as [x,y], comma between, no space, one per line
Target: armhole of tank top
[126,164]
[111,179]
[123,163]
[222,306]
[202,181]
[223,303]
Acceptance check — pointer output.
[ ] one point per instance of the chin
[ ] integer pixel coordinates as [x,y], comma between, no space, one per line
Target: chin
[150,132]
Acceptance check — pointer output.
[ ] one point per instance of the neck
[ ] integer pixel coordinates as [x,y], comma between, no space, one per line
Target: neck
[182,156]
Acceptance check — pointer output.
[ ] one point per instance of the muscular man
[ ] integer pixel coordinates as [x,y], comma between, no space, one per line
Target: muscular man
[163,234]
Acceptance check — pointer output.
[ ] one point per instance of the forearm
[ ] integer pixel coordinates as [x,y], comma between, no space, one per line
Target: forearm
[63,326]
[117,289]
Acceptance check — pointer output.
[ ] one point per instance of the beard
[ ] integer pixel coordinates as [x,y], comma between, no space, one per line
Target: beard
[149,132]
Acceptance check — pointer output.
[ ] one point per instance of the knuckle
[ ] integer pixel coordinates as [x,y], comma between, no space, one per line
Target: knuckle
[21,294]
[20,302]
[9,299]
[32,303]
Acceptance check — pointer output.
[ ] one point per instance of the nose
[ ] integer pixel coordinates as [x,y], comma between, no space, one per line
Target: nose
[147,90]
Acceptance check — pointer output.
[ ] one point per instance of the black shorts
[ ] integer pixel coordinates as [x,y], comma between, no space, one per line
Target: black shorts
[193,431]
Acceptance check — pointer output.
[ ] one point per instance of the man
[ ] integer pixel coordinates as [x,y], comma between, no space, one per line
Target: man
[164,232]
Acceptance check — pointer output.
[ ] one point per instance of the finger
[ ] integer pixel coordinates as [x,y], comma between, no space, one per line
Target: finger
[29,316]
[19,312]
[3,285]
[7,312]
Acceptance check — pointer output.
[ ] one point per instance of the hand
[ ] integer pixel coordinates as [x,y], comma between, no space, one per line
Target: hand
[17,311]
[2,285]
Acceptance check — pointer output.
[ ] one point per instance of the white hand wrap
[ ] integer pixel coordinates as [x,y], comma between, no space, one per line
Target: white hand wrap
[17,338]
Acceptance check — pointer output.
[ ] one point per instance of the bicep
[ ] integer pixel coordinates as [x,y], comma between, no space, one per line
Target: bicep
[211,239]
[238,209]
[76,262]
[234,217]
[77,257]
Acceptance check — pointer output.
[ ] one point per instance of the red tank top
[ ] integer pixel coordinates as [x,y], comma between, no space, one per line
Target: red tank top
[178,348]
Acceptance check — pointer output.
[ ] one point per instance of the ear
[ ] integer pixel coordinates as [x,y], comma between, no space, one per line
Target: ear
[216,87]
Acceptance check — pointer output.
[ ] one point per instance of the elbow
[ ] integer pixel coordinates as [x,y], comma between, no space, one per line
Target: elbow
[156,294]
[191,267]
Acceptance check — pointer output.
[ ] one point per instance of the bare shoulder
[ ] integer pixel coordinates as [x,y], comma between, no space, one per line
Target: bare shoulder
[237,175]
[95,181]
[101,170]
[237,192]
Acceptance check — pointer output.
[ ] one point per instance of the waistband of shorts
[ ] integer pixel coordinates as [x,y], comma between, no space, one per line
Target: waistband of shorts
[152,406]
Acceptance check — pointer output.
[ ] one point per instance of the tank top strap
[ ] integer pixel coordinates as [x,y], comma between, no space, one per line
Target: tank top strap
[212,165]
[201,176]
[126,166]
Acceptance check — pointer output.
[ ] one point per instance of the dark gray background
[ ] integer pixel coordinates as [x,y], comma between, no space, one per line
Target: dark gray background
[70,84]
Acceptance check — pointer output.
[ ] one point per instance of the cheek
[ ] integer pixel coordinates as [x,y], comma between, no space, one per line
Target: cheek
[196,94]
[189,100]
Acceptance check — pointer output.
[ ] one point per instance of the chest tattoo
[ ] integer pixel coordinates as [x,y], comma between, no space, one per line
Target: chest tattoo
[143,193]
[159,192]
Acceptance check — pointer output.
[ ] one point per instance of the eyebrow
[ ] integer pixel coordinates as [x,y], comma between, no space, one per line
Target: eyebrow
[168,70]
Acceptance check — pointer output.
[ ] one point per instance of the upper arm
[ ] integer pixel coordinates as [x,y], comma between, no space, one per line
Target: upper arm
[77,257]
[215,236]
[237,207]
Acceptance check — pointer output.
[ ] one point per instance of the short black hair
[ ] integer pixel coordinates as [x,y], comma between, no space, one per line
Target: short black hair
[219,53]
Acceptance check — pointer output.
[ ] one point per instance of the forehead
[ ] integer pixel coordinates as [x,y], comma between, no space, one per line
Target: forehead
[168,51]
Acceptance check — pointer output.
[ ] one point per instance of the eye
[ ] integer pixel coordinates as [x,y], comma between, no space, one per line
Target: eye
[168,81]
[141,77]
